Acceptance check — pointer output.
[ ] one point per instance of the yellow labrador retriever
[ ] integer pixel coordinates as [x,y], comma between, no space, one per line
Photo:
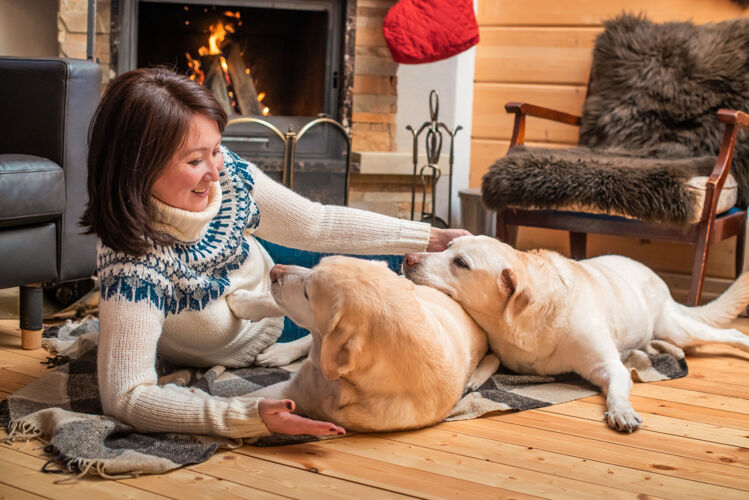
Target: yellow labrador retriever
[386,354]
[547,314]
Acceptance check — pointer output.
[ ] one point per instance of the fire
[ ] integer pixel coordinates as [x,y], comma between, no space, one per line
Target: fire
[195,72]
[218,33]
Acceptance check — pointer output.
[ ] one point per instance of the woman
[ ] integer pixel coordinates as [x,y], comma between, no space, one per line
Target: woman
[177,216]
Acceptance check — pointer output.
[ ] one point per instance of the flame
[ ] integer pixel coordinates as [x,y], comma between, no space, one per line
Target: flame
[218,34]
[195,72]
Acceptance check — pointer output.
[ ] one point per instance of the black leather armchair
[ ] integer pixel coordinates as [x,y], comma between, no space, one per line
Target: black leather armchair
[46,105]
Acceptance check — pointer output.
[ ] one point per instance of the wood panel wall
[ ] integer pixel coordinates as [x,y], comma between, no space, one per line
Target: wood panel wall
[540,51]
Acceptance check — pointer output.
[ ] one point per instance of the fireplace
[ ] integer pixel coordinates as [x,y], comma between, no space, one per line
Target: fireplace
[285,66]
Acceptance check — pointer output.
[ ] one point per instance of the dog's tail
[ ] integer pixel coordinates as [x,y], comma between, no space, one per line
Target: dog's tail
[726,307]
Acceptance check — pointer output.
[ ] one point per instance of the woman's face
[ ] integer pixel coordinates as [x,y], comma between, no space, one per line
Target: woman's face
[186,180]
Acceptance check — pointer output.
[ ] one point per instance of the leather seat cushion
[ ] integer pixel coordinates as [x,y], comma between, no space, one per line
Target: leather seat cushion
[32,189]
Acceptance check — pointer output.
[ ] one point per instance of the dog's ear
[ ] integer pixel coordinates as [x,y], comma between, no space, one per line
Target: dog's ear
[339,348]
[518,296]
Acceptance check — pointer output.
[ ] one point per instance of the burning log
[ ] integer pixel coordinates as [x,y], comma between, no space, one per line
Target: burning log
[244,89]
[216,81]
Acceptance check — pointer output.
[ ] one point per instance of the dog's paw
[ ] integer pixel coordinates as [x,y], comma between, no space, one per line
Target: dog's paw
[240,303]
[253,306]
[623,419]
[471,386]
[278,355]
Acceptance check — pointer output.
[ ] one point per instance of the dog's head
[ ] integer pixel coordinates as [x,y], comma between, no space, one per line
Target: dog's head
[482,274]
[345,302]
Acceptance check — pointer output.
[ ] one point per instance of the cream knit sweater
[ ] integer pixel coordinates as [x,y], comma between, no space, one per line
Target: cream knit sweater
[173,299]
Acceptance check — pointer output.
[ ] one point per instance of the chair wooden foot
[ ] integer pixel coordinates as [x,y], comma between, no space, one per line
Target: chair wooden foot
[31,339]
[699,267]
[740,243]
[30,309]
[577,245]
[504,233]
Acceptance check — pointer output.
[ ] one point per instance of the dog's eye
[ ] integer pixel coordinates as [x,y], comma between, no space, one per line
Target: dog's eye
[305,293]
[460,262]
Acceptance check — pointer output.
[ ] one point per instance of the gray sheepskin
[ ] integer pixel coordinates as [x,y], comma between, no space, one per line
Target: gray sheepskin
[649,124]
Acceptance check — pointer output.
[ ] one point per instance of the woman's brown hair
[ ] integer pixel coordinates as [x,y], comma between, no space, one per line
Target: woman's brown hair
[141,122]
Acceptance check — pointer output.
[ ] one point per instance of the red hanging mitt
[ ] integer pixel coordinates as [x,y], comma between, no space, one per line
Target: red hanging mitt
[421,31]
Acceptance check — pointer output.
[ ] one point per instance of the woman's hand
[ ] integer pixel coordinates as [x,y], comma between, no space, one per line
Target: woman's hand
[277,417]
[439,238]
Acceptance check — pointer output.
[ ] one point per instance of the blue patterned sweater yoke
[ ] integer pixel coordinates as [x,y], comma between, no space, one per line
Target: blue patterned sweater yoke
[188,275]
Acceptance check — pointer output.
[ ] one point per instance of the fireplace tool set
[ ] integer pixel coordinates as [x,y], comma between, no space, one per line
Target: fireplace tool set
[433,146]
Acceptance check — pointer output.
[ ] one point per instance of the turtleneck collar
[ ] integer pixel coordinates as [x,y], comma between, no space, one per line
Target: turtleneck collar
[184,225]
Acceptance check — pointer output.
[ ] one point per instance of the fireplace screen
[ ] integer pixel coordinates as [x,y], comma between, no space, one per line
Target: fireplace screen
[267,61]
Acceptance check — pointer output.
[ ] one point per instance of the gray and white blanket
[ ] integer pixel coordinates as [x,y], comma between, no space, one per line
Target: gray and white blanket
[62,408]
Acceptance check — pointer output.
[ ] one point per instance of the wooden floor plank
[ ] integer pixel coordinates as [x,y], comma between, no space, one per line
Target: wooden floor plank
[381,472]
[597,472]
[667,393]
[290,481]
[571,428]
[681,411]
[179,483]
[11,493]
[700,384]
[21,471]
[657,423]
[39,354]
[475,470]
[16,362]
[720,361]
[189,484]
[587,449]
[11,381]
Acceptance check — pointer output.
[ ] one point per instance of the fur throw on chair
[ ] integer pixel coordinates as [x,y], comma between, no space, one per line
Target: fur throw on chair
[649,124]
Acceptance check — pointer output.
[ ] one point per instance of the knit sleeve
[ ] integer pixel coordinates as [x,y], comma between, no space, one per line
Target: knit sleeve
[128,338]
[291,220]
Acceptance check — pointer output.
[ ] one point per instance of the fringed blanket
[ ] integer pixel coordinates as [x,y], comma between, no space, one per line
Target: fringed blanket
[62,408]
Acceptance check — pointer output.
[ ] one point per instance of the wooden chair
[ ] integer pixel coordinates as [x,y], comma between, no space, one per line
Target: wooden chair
[657,93]
[710,228]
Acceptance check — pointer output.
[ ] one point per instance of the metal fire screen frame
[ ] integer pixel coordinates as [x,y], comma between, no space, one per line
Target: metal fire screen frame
[290,139]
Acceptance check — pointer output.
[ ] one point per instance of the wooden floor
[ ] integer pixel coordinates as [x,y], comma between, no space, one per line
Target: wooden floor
[694,444]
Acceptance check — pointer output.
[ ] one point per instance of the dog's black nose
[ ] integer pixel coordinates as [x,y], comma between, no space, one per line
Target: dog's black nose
[410,259]
[276,272]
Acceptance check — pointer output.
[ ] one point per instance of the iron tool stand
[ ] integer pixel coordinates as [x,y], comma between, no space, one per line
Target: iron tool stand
[433,145]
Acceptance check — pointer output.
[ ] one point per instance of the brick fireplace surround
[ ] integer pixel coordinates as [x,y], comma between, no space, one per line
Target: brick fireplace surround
[372,105]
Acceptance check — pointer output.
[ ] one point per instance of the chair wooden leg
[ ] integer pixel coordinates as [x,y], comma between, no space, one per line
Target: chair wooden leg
[505,233]
[30,312]
[740,242]
[577,245]
[699,267]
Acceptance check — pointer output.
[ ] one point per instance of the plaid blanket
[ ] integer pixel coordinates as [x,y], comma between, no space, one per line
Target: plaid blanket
[62,408]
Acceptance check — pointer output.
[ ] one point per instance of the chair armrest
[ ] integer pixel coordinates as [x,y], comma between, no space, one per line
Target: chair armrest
[541,112]
[732,116]
[523,109]
[734,120]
